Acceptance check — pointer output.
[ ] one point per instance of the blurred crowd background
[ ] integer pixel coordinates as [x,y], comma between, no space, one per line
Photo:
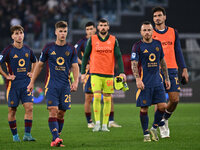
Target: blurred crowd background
[125,16]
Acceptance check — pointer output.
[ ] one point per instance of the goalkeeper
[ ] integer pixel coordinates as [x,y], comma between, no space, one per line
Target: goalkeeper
[102,49]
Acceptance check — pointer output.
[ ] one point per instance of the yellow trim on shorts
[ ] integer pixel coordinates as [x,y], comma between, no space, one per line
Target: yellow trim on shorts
[138,93]
[8,90]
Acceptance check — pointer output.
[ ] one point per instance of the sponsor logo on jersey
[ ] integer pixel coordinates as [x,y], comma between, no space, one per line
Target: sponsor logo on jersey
[60,60]
[166,43]
[53,53]
[145,51]
[152,57]
[102,49]
[21,62]
[15,56]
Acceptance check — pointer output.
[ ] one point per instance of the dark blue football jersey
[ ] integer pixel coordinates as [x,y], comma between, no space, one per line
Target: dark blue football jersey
[59,60]
[18,62]
[148,56]
[80,45]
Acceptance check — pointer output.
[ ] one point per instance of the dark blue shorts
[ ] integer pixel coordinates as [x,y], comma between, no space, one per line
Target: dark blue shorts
[87,84]
[60,97]
[149,96]
[173,76]
[15,95]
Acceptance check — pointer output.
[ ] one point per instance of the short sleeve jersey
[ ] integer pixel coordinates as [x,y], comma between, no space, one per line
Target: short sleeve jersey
[18,63]
[80,45]
[59,60]
[148,56]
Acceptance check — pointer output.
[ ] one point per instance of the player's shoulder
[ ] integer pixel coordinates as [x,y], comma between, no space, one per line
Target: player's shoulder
[156,41]
[27,47]
[80,42]
[70,46]
[8,48]
[48,46]
[136,45]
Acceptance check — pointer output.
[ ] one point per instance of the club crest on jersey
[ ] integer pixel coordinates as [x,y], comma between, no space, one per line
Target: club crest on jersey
[145,51]
[26,55]
[67,53]
[157,49]
[53,53]
[15,56]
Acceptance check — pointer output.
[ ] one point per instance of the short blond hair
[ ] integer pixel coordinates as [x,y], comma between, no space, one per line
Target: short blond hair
[61,24]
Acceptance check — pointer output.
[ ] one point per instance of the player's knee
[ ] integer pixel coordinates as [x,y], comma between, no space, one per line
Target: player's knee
[53,112]
[12,112]
[144,109]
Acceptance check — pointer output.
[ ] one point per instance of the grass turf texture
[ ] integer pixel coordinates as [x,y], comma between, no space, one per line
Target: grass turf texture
[184,126]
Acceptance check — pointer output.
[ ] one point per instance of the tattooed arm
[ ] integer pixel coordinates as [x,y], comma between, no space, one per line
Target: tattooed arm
[165,72]
[134,67]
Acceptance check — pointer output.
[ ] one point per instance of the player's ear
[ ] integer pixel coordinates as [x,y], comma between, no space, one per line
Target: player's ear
[12,36]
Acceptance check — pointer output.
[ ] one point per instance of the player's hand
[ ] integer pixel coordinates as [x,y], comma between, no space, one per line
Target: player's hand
[10,77]
[74,86]
[185,75]
[123,75]
[29,74]
[167,84]
[139,83]
[83,76]
[30,87]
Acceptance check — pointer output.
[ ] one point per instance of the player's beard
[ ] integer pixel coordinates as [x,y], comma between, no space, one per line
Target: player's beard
[158,22]
[103,32]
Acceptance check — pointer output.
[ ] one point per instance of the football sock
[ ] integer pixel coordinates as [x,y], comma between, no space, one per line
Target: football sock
[53,126]
[106,108]
[13,127]
[157,118]
[167,114]
[144,119]
[60,125]
[88,117]
[97,106]
[111,117]
[28,125]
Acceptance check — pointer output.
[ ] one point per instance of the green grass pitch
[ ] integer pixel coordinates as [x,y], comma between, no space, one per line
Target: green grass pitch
[184,126]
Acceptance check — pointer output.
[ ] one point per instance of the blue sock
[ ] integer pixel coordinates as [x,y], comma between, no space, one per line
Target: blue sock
[144,119]
[53,126]
[162,123]
[167,115]
[60,125]
[88,117]
[28,125]
[13,127]
[111,117]
[157,118]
